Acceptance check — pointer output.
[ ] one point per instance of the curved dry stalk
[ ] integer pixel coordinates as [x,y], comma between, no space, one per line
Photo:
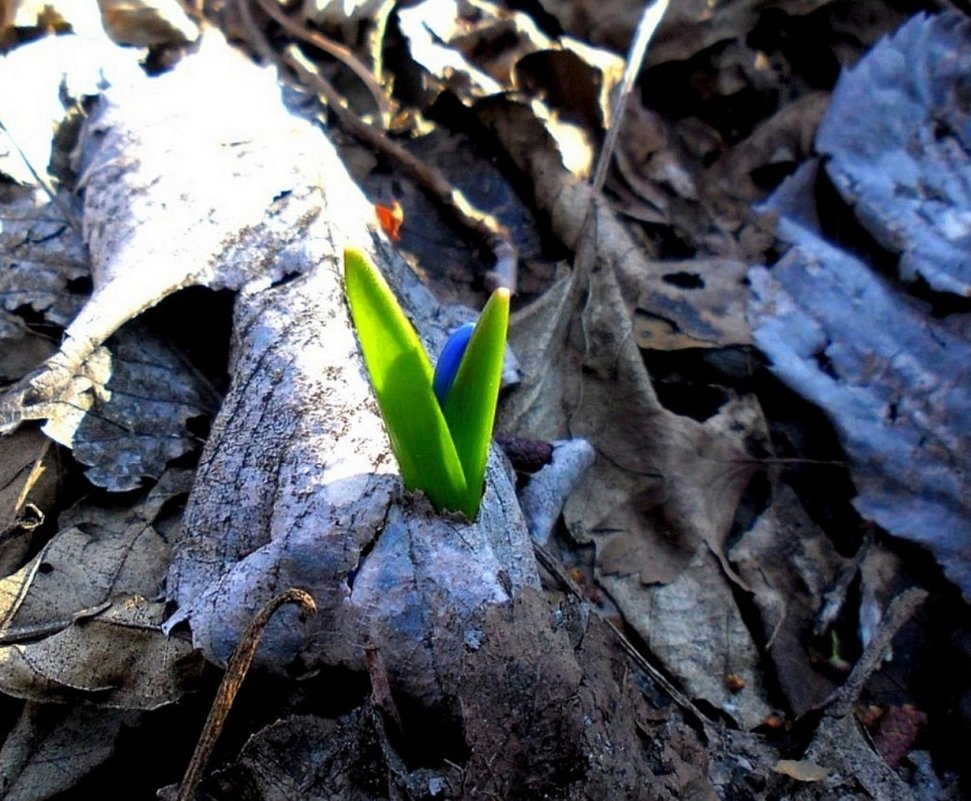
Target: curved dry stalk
[484,229]
[332,48]
[232,679]
[650,20]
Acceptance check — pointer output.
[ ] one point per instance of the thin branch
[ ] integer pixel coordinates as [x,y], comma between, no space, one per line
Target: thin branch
[650,20]
[332,48]
[236,671]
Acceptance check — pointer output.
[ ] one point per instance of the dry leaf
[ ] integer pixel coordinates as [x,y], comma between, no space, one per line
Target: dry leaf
[184,179]
[35,79]
[29,480]
[134,416]
[801,769]
[75,617]
[53,746]
[694,628]
[147,23]
[41,258]
[790,566]
[693,304]
[118,658]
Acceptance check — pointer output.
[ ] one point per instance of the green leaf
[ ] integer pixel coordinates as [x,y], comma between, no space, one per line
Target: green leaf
[402,379]
[470,407]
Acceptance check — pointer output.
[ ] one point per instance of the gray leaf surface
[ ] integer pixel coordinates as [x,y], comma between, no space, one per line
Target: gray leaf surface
[898,134]
[892,379]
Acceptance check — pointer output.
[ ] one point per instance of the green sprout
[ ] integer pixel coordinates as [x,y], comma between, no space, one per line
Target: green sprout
[439,421]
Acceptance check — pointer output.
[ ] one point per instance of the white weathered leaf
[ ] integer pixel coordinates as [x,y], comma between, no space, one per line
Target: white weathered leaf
[186,177]
[892,379]
[898,137]
[35,80]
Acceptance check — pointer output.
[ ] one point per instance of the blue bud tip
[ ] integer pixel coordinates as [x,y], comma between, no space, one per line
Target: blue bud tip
[448,363]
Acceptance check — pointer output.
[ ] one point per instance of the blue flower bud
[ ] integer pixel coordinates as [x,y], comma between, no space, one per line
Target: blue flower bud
[448,363]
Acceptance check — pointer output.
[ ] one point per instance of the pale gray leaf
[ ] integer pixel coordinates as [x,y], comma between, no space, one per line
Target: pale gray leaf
[41,255]
[37,82]
[892,379]
[898,134]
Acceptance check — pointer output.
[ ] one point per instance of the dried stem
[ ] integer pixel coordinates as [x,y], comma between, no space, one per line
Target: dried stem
[235,673]
[650,20]
[485,230]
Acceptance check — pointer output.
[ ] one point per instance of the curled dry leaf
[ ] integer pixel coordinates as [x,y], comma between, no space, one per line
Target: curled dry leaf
[546,491]
[75,617]
[29,479]
[164,209]
[53,746]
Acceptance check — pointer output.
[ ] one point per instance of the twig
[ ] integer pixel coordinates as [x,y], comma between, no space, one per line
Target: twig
[901,609]
[484,227]
[232,679]
[332,48]
[486,230]
[650,19]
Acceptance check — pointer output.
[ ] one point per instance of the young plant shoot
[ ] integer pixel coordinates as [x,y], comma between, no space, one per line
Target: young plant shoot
[439,420]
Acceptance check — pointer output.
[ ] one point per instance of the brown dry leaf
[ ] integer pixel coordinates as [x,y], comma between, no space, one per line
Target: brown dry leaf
[53,746]
[665,488]
[658,176]
[659,476]
[693,304]
[694,627]
[479,49]
[75,617]
[120,658]
[665,483]
[689,27]
[790,566]
[147,23]
[801,769]
[29,480]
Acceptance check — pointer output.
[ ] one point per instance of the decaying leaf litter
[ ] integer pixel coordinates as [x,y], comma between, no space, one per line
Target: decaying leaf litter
[709,555]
